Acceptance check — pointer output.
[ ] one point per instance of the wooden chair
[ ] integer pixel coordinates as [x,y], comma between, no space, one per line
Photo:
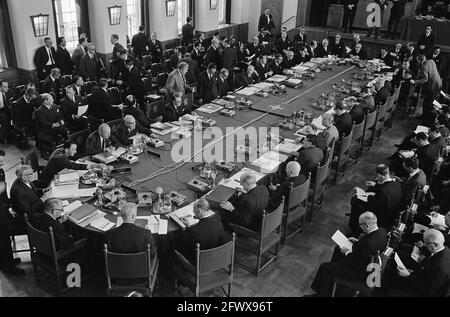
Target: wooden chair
[295,209]
[261,242]
[31,159]
[115,124]
[44,255]
[389,110]
[155,110]
[381,119]
[213,268]
[357,142]
[369,129]
[139,266]
[340,164]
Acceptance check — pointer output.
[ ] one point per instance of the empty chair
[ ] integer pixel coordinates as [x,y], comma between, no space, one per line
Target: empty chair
[263,241]
[213,268]
[138,267]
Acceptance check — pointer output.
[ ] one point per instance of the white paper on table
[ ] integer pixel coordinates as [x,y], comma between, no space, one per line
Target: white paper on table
[418,228]
[399,262]
[97,214]
[119,152]
[68,177]
[248,91]
[388,252]
[363,195]
[100,223]
[421,128]
[163,225]
[82,110]
[108,227]
[153,224]
[342,241]
[64,191]
[263,85]
[71,207]
[288,147]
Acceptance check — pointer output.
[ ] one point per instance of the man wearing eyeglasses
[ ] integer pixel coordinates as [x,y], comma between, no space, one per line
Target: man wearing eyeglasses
[223,85]
[129,128]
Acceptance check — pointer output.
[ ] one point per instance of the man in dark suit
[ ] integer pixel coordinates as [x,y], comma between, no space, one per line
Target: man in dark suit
[338,47]
[101,141]
[51,84]
[50,119]
[416,178]
[208,232]
[118,48]
[398,52]
[78,53]
[386,57]
[155,48]
[352,264]
[223,86]
[175,108]
[187,32]
[357,114]
[23,111]
[323,50]
[229,58]
[91,67]
[383,93]
[212,54]
[207,85]
[247,210]
[433,278]
[263,69]
[282,189]
[350,7]
[136,86]
[426,42]
[45,59]
[438,59]
[102,107]
[301,39]
[342,120]
[129,128]
[139,43]
[397,12]
[60,160]
[266,22]
[50,218]
[277,65]
[411,56]
[283,44]
[249,78]
[385,203]
[69,108]
[254,49]
[358,52]
[311,155]
[63,59]
[129,238]
[133,109]
[5,113]
[196,53]
[427,153]
[193,70]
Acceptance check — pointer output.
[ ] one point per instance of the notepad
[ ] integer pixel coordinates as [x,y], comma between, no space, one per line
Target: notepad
[363,195]
[423,129]
[399,262]
[342,241]
[407,154]
[418,228]
[288,146]
[82,110]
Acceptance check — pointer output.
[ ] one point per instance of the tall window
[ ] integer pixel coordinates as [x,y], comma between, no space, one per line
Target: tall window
[134,17]
[183,13]
[222,7]
[68,21]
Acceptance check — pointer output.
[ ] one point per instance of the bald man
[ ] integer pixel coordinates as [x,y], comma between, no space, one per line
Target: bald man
[101,141]
[293,176]
[129,128]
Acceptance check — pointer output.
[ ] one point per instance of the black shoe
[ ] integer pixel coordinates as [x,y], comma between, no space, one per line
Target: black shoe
[17,261]
[14,271]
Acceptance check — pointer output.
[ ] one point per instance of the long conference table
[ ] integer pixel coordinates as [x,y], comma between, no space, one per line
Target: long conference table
[172,175]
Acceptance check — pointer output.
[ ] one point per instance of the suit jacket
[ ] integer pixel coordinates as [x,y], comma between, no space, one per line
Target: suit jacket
[172,114]
[155,49]
[249,208]
[196,56]
[427,41]
[63,239]
[433,279]
[242,80]
[213,56]
[63,61]
[138,114]
[362,53]
[344,124]
[188,34]
[94,146]
[382,96]
[322,52]
[117,48]
[59,161]
[135,84]
[411,185]
[439,141]
[303,41]
[129,239]
[281,45]
[77,54]
[90,67]
[229,58]
[193,71]
[101,102]
[24,199]
[276,69]
[427,155]
[223,87]
[123,134]
[262,70]
[388,59]
[69,108]
[41,58]
[338,49]
[284,189]
[357,114]
[255,50]
[175,83]
[429,77]
[309,158]
[139,43]
[207,88]
[208,232]
[398,54]
[265,23]
[51,86]
[23,111]
[46,118]
[386,203]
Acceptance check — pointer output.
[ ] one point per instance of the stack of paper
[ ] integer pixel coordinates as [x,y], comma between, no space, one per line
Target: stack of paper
[210,108]
[71,207]
[234,181]
[300,69]
[423,129]
[82,110]
[277,78]
[288,146]
[269,162]
[102,224]
[67,176]
[363,195]
[399,262]
[248,91]
[263,85]
[342,241]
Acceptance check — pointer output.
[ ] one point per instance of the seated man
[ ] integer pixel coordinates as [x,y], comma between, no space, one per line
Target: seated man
[416,178]
[51,218]
[101,141]
[51,84]
[385,202]
[69,108]
[50,119]
[312,154]
[342,120]
[208,232]
[247,210]
[129,128]
[433,279]
[175,109]
[60,160]
[248,78]
[383,93]
[352,264]
[207,85]
[436,137]
[23,111]
[357,113]
[282,189]
[277,65]
[223,85]
[427,153]
[331,132]
[129,238]
[367,101]
[358,52]
[133,110]
[263,68]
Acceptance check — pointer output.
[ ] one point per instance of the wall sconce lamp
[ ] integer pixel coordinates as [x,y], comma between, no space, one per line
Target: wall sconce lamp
[40,24]
[115,13]
[170,8]
[213,4]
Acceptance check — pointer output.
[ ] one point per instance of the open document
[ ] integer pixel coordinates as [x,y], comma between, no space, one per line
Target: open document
[342,241]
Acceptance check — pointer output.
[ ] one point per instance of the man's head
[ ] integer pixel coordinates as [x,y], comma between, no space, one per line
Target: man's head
[368,222]
[356,37]
[283,35]
[437,50]
[48,42]
[189,20]
[382,172]
[422,139]
[103,83]
[433,240]
[154,36]
[53,207]
[61,41]
[250,70]
[114,39]
[25,173]
[411,164]
[130,101]
[130,122]
[83,42]
[325,42]
[183,68]
[434,132]
[410,46]
[78,80]
[142,29]
[70,92]
[30,94]
[338,38]
[215,43]
[4,86]
[248,181]
[383,51]
[31,85]
[267,11]
[105,131]
[398,46]
[201,208]
[197,45]
[327,120]
[91,48]
[55,73]
[303,51]
[129,63]
[70,149]
[428,29]
[358,47]
[279,59]
[212,68]
[293,169]
[224,73]
[256,41]
[421,59]
[47,100]
[339,107]
[129,213]
[302,30]
[178,99]
[406,64]
[263,59]
[290,55]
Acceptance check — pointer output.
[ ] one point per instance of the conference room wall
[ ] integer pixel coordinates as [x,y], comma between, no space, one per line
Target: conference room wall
[166,27]
[206,19]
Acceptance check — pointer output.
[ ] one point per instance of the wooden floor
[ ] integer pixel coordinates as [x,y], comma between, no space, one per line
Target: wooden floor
[299,259]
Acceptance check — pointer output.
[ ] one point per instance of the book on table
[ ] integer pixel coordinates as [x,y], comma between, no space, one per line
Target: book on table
[219,195]
[82,213]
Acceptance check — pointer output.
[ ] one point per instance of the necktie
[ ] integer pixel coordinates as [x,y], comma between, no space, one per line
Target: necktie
[51,56]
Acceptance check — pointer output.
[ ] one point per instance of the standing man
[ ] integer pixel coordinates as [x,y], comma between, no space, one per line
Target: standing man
[5,115]
[188,32]
[50,119]
[118,48]
[350,7]
[155,48]
[397,12]
[207,85]
[136,86]
[90,65]
[63,60]
[45,59]
[79,53]
[426,42]
[139,43]
[266,22]
[176,82]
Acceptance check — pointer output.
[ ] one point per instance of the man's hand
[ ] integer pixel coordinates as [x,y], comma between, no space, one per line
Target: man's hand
[345,251]
[402,272]
[56,125]
[110,149]
[370,184]
[353,240]
[412,81]
[422,47]
[273,187]
[227,206]
[62,122]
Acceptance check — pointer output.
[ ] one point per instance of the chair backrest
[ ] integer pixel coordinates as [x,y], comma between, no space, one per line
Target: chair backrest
[299,194]
[358,130]
[31,159]
[322,174]
[215,259]
[162,80]
[345,144]
[155,109]
[136,265]
[65,81]
[115,124]
[114,94]
[271,222]
[40,241]
[146,61]
[80,138]
[156,68]
[18,91]
[382,112]
[86,89]
[371,120]
[389,103]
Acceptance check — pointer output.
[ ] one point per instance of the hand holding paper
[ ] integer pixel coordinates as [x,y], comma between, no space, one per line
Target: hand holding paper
[342,241]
